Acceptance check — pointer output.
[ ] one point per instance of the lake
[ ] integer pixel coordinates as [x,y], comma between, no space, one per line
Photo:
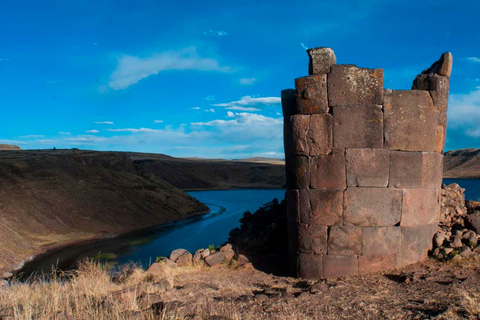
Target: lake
[227,207]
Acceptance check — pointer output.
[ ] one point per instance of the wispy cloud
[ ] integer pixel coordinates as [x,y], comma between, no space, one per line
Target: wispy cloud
[215,33]
[210,110]
[247,81]
[134,130]
[196,108]
[103,122]
[4,60]
[474,59]
[464,112]
[158,121]
[65,133]
[249,103]
[210,98]
[32,136]
[303,46]
[92,131]
[131,70]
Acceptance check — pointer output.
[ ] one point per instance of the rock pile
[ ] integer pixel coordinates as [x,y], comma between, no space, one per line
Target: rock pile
[209,257]
[456,237]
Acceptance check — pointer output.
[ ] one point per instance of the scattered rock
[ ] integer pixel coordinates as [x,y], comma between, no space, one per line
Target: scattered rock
[241,260]
[205,253]
[473,220]
[227,247]
[156,269]
[466,252]
[457,242]
[185,259]
[261,297]
[318,287]
[439,238]
[176,254]
[215,259]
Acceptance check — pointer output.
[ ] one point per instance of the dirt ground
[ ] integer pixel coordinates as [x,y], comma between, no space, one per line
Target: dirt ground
[432,289]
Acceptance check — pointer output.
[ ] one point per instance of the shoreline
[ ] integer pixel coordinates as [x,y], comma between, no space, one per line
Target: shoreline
[49,249]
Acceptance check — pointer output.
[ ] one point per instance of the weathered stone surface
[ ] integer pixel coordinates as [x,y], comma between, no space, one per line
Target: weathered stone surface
[336,266]
[381,240]
[345,241]
[312,239]
[473,220]
[440,139]
[420,207]
[320,134]
[184,260]
[372,206]
[443,66]
[320,207]
[415,169]
[416,241]
[298,172]
[375,263]
[359,126]
[176,253]
[367,167]
[312,94]
[215,259]
[289,98]
[321,59]
[310,266]
[328,171]
[350,85]
[410,121]
[438,87]
[300,125]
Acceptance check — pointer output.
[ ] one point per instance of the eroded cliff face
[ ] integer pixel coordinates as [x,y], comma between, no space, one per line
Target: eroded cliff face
[49,198]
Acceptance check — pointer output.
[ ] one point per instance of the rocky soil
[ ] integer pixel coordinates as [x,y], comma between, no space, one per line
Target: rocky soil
[49,198]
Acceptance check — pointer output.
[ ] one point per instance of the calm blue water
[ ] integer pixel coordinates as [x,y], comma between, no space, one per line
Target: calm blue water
[227,207]
[472,187]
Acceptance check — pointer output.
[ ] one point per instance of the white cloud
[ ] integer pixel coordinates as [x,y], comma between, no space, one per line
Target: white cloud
[65,133]
[230,114]
[464,112]
[247,103]
[132,69]
[474,59]
[6,141]
[133,130]
[196,108]
[247,81]
[158,121]
[103,122]
[32,136]
[210,110]
[92,131]
[237,108]
[215,33]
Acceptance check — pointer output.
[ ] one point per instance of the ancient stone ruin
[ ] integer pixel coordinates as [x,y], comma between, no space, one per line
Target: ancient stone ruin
[364,167]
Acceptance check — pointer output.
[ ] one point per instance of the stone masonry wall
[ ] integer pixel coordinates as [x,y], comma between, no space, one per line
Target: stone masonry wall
[364,167]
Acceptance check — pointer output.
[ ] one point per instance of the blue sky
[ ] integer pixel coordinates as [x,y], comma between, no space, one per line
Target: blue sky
[203,78]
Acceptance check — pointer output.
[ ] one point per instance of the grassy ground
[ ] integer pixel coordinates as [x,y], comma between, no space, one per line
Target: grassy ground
[424,291]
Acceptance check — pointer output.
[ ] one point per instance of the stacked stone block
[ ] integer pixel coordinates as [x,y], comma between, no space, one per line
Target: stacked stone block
[364,167]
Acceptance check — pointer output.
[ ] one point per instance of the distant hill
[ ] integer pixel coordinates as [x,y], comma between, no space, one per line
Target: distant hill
[49,198]
[464,163]
[203,174]
[9,147]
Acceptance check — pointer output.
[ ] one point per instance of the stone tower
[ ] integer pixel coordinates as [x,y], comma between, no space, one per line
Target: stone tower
[364,167]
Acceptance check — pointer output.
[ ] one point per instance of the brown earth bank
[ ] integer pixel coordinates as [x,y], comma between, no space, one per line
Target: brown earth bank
[54,197]
[464,163]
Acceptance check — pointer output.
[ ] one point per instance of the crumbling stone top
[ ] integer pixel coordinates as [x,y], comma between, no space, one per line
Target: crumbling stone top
[442,67]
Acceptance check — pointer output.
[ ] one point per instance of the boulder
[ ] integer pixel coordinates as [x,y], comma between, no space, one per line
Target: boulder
[176,254]
[241,260]
[473,220]
[321,59]
[439,238]
[215,259]
[185,259]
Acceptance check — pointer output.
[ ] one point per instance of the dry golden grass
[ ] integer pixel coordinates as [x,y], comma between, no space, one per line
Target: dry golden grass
[89,293]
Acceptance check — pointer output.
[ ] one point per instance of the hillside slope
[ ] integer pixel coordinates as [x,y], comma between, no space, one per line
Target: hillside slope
[50,197]
[464,163]
[192,174]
